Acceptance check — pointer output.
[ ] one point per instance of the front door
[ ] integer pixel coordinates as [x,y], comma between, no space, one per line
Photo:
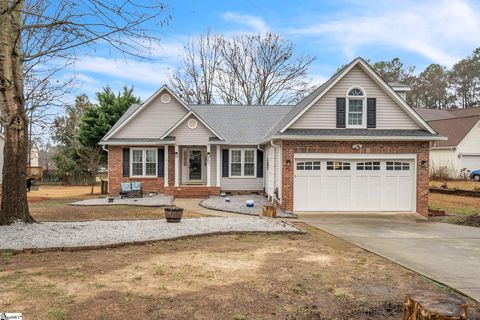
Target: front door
[194,165]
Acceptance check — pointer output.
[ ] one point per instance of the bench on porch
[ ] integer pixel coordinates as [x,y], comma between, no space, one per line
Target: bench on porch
[131,190]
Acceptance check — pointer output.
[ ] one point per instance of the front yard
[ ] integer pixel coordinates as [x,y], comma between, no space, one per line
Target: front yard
[312,276]
[51,203]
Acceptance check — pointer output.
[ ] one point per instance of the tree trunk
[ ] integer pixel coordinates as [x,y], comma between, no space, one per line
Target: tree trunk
[427,305]
[14,204]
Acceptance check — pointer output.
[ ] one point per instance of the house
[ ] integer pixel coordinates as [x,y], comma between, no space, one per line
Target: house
[461,152]
[353,144]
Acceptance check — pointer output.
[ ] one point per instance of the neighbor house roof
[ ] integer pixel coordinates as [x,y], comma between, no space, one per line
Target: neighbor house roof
[454,128]
[438,114]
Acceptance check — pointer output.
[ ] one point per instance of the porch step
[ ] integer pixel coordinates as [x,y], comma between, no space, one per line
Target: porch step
[194,191]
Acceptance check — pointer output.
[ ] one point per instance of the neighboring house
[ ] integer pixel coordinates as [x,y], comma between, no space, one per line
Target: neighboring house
[461,152]
[353,144]
[33,157]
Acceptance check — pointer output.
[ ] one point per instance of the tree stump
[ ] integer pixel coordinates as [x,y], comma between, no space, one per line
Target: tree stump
[427,305]
[269,210]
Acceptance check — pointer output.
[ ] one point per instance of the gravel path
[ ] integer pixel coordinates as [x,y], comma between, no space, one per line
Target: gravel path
[237,205]
[154,201]
[97,233]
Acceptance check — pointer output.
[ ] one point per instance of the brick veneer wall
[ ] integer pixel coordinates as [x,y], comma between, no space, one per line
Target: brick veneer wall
[421,148]
[115,172]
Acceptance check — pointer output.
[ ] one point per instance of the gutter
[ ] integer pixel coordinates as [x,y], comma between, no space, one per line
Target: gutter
[358,138]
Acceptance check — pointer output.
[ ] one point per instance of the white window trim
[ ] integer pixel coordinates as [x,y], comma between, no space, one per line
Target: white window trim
[364,108]
[242,163]
[144,163]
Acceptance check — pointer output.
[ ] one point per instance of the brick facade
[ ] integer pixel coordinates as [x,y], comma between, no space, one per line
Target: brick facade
[421,149]
[115,177]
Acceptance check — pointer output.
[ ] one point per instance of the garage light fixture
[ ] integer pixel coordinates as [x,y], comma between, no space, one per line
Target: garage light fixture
[288,164]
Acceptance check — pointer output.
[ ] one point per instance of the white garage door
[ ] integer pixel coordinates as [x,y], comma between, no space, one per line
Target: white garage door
[471,162]
[354,185]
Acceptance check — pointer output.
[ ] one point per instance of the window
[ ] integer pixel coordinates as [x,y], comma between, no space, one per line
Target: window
[144,162]
[308,165]
[398,166]
[243,162]
[356,108]
[338,165]
[372,165]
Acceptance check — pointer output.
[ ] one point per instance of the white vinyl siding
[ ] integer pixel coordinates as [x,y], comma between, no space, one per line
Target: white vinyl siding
[192,137]
[322,115]
[240,184]
[154,120]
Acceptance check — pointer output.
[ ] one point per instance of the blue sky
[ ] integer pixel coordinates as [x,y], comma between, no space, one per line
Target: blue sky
[334,32]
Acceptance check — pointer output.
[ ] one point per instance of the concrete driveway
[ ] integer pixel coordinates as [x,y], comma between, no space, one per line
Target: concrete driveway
[447,253]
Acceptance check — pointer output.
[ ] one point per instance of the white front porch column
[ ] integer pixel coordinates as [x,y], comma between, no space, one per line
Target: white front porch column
[177,165]
[219,164]
[208,165]
[165,166]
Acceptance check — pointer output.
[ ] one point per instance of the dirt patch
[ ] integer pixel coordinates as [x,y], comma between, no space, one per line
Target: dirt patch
[311,276]
[61,192]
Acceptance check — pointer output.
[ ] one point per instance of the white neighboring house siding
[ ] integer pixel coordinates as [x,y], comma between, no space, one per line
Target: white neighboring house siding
[322,115]
[452,157]
[154,120]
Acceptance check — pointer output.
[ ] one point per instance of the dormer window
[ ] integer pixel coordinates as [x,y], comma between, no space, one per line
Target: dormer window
[356,115]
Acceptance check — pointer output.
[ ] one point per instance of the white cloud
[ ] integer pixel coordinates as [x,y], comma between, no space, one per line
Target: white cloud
[254,23]
[154,73]
[437,30]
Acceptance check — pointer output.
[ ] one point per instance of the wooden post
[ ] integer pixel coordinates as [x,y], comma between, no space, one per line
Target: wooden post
[269,210]
[427,305]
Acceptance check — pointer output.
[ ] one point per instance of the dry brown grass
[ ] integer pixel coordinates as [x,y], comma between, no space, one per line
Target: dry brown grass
[313,276]
[51,203]
[454,204]
[456,184]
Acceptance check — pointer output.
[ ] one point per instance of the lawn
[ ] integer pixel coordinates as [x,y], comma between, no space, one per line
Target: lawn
[312,276]
[454,204]
[51,203]
[456,184]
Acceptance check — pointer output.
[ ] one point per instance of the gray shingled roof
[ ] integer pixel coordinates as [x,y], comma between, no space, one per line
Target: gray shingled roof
[241,124]
[357,133]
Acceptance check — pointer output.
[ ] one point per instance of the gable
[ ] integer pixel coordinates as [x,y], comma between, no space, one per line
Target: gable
[322,114]
[154,119]
[187,136]
[471,142]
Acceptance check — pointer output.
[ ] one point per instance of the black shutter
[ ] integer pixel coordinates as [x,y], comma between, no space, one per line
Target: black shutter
[340,112]
[161,162]
[126,162]
[259,163]
[371,113]
[225,163]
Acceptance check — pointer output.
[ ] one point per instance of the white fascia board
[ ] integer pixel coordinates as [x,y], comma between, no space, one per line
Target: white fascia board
[146,103]
[359,138]
[136,143]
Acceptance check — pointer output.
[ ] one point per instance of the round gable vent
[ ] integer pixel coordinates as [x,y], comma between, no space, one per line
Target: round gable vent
[192,124]
[165,98]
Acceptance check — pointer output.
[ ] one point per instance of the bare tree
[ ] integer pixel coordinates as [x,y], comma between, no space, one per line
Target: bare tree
[195,80]
[246,69]
[50,32]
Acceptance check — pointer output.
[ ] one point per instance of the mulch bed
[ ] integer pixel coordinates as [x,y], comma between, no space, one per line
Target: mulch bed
[471,221]
[456,192]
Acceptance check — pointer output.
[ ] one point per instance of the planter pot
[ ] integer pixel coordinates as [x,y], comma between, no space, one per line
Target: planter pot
[173,214]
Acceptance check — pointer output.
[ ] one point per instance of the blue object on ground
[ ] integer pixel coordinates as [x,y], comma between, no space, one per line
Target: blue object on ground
[250,203]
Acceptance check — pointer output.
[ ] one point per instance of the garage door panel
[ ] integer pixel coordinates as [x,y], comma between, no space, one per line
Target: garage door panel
[355,185]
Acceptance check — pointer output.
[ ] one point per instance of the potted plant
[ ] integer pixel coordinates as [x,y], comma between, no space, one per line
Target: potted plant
[173,214]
